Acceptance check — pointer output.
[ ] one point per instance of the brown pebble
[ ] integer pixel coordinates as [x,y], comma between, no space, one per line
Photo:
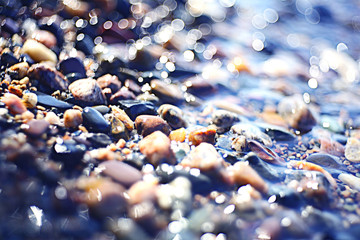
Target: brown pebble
[36,128]
[122,116]
[121,172]
[243,174]
[30,99]
[109,81]
[87,90]
[123,94]
[48,76]
[44,37]
[147,124]
[52,118]
[143,191]
[13,103]
[27,116]
[20,68]
[205,134]
[38,51]
[173,115]
[15,89]
[157,149]
[204,157]
[72,118]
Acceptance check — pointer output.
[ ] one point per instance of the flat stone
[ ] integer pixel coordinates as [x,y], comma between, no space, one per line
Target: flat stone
[147,124]
[205,134]
[134,108]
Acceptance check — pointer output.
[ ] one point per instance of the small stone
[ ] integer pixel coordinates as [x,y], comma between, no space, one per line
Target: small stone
[351,180]
[123,94]
[13,103]
[204,157]
[45,37]
[121,172]
[87,90]
[72,118]
[224,119]
[205,134]
[29,99]
[123,117]
[48,76]
[172,115]
[134,108]
[243,174]
[352,150]
[251,132]
[167,93]
[157,149]
[142,191]
[239,144]
[178,135]
[118,128]
[72,65]
[20,69]
[36,128]
[147,124]
[52,118]
[38,51]
[94,121]
[27,116]
[109,81]
[49,101]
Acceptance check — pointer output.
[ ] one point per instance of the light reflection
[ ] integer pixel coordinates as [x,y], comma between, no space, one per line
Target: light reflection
[189,56]
[312,83]
[36,215]
[270,15]
[258,45]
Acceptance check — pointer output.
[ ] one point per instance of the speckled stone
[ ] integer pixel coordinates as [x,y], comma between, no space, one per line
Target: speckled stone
[87,90]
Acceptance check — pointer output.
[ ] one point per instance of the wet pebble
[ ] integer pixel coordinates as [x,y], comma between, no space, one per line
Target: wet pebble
[352,150]
[109,81]
[205,134]
[48,76]
[20,69]
[44,37]
[72,118]
[157,149]
[94,121]
[251,132]
[38,51]
[147,124]
[134,108]
[351,180]
[118,128]
[122,94]
[49,101]
[167,93]
[68,152]
[13,103]
[52,118]
[123,117]
[172,115]
[224,119]
[98,140]
[326,160]
[121,172]
[178,135]
[36,128]
[264,169]
[72,65]
[88,91]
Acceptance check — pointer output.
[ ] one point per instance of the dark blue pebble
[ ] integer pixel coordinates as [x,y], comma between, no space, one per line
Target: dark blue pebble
[99,140]
[72,65]
[264,169]
[94,121]
[286,196]
[49,101]
[102,109]
[8,59]
[110,66]
[55,29]
[72,77]
[68,152]
[85,44]
[134,108]
[10,26]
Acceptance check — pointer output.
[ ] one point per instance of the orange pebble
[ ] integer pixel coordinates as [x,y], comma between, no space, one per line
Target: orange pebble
[205,134]
[14,103]
[178,135]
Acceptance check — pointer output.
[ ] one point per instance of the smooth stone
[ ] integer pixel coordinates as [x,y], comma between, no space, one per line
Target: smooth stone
[13,103]
[85,44]
[48,76]
[251,132]
[48,24]
[204,157]
[352,150]
[123,117]
[72,65]
[10,26]
[87,90]
[167,93]
[123,94]
[99,140]
[351,180]
[157,149]
[109,81]
[275,132]
[134,108]
[94,121]
[224,119]
[8,59]
[49,101]
[20,69]
[121,172]
[45,37]
[199,87]
[172,115]
[204,134]
[36,128]
[102,109]
[264,169]
[147,124]
[68,151]
[72,118]
[72,77]
[38,51]
[326,160]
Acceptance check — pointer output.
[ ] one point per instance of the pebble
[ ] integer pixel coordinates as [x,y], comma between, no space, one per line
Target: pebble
[204,157]
[48,76]
[326,160]
[29,99]
[243,173]
[142,191]
[98,140]
[123,117]
[72,118]
[45,37]
[147,124]
[157,149]
[178,135]
[224,120]
[72,65]
[296,113]
[118,128]
[38,51]
[13,103]
[134,108]
[205,134]
[109,81]
[265,153]
[122,94]
[52,118]
[167,93]
[352,150]
[172,115]
[251,132]
[88,91]
[351,180]
[20,69]
[121,172]
[94,121]
[49,101]
[239,144]
[36,128]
